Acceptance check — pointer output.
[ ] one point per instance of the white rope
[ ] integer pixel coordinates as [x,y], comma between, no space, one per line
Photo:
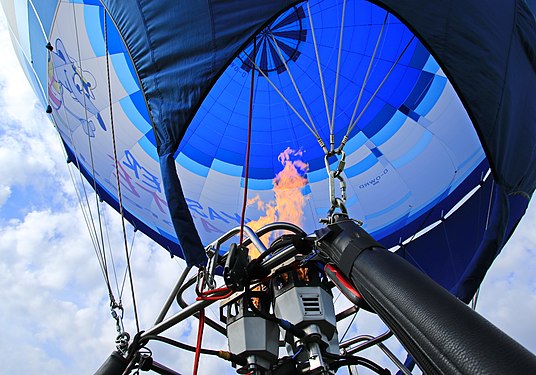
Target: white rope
[86,118]
[489,203]
[351,127]
[288,103]
[318,63]
[298,92]
[118,181]
[337,74]
[369,69]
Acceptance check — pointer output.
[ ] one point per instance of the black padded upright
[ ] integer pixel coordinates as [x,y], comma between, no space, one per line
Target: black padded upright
[443,335]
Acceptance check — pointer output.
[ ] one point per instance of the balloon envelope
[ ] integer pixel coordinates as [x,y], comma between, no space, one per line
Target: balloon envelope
[164,81]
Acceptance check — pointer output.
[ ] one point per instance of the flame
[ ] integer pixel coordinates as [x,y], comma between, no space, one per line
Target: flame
[289,201]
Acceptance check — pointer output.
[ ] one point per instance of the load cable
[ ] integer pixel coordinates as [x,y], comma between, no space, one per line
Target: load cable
[332,124]
[125,274]
[90,147]
[298,92]
[116,165]
[223,354]
[311,128]
[324,94]
[367,74]
[395,63]
[99,246]
[88,220]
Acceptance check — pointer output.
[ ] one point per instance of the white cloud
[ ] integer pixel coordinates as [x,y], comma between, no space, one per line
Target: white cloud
[508,294]
[5,192]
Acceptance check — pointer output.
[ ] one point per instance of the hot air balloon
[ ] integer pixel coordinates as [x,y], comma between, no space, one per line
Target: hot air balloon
[416,119]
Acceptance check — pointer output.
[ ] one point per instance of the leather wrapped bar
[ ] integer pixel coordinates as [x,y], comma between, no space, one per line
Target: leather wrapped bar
[443,335]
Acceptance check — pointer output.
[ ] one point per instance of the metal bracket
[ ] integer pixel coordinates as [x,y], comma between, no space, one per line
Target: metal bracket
[336,202]
[123,338]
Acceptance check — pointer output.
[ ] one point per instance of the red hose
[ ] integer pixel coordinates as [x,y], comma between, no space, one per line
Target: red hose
[248,145]
[199,339]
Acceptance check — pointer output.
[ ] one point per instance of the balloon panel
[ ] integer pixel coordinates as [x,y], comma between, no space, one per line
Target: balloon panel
[412,143]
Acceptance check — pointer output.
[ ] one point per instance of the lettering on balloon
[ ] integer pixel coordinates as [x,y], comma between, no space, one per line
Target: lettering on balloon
[375,180]
[134,176]
[136,179]
[209,213]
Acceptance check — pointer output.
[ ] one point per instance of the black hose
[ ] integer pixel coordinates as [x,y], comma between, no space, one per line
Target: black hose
[347,360]
[218,353]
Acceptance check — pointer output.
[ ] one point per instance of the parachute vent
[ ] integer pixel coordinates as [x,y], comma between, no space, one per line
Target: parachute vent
[278,44]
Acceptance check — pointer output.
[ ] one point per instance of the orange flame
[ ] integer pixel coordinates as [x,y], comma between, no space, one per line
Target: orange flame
[289,201]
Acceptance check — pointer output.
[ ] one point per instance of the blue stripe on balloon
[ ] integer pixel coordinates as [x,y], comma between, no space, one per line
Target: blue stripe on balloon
[390,129]
[419,91]
[431,65]
[362,166]
[46,10]
[415,151]
[130,109]
[122,70]
[139,102]
[192,166]
[261,173]
[432,96]
[390,208]
[30,73]
[390,228]
[316,176]
[39,54]
[419,57]
[480,152]
[355,142]
[94,31]
[148,146]
[91,2]
[255,184]
[226,168]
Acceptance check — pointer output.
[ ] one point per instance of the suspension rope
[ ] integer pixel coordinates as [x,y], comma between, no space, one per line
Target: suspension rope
[106,226]
[365,80]
[248,146]
[351,127]
[318,138]
[87,220]
[332,123]
[125,274]
[324,94]
[99,247]
[118,182]
[90,146]
[474,301]
[490,203]
[298,92]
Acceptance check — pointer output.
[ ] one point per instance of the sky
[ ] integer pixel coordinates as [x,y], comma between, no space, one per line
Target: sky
[54,309]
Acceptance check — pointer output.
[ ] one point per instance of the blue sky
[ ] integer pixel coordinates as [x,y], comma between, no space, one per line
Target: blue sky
[54,313]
